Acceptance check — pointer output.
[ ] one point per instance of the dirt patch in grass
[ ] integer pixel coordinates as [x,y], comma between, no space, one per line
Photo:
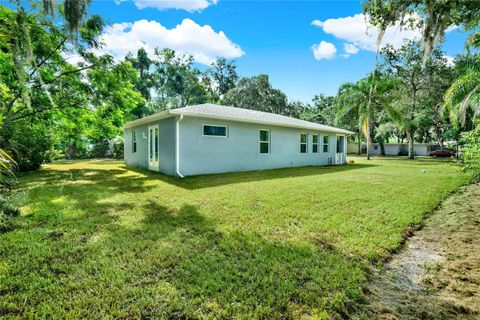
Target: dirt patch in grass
[437,274]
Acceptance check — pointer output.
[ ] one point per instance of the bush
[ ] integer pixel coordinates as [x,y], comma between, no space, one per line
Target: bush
[118,150]
[471,151]
[32,145]
[101,148]
[7,208]
[6,223]
[7,212]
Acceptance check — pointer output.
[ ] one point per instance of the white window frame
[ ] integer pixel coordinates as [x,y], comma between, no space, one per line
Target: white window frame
[325,144]
[134,141]
[305,143]
[313,143]
[268,142]
[214,125]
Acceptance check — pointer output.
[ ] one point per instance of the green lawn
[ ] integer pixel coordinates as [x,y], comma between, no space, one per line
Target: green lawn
[98,240]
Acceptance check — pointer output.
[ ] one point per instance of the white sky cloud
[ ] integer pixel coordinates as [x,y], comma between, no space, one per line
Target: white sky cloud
[189,5]
[357,31]
[324,50]
[202,42]
[450,60]
[350,48]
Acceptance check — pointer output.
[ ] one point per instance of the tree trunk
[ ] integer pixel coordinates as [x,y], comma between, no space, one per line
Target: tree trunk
[70,149]
[410,144]
[369,141]
[359,144]
[382,147]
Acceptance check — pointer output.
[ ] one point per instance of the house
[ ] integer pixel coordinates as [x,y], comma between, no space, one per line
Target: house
[209,138]
[394,149]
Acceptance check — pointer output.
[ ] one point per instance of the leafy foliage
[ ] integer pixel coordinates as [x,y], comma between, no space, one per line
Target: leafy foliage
[462,99]
[471,151]
[433,17]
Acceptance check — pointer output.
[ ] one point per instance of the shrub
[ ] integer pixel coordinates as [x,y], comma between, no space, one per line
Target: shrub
[33,145]
[7,208]
[6,223]
[471,151]
[101,148]
[118,150]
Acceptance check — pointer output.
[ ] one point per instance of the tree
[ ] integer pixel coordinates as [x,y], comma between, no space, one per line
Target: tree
[44,92]
[258,94]
[322,111]
[432,17]
[143,84]
[363,100]
[175,81]
[224,77]
[416,79]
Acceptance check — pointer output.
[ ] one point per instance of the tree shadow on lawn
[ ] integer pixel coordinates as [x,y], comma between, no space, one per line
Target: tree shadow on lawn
[226,275]
[85,191]
[220,179]
[172,263]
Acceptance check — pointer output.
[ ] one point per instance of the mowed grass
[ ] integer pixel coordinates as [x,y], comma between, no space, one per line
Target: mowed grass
[99,240]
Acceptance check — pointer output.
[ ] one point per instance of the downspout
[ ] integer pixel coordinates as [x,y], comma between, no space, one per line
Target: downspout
[177,146]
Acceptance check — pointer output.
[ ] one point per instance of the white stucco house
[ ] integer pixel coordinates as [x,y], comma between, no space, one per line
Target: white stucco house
[208,138]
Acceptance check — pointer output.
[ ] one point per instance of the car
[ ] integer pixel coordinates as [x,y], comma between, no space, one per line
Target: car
[442,153]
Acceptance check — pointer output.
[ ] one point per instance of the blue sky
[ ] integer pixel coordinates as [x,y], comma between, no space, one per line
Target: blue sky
[272,37]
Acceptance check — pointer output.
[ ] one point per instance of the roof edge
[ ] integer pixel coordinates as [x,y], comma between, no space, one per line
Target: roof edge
[195,115]
[174,112]
[157,116]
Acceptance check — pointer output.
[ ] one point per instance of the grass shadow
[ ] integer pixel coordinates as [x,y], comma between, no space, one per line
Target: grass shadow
[221,179]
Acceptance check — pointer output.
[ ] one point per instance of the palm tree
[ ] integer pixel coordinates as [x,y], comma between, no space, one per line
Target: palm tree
[352,100]
[463,97]
[363,100]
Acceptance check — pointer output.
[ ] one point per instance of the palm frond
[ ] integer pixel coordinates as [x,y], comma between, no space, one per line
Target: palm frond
[6,163]
[461,97]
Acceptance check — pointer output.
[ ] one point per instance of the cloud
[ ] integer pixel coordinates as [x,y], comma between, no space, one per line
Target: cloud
[357,31]
[450,60]
[188,5]
[317,23]
[324,50]
[350,48]
[202,42]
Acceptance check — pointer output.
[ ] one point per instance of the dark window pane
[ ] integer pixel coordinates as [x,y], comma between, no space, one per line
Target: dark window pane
[315,138]
[215,131]
[315,148]
[303,148]
[263,147]
[303,138]
[151,144]
[325,148]
[134,141]
[325,139]
[156,144]
[264,135]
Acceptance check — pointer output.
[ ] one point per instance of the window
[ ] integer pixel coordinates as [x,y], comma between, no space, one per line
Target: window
[264,141]
[303,143]
[325,143]
[134,141]
[216,131]
[315,143]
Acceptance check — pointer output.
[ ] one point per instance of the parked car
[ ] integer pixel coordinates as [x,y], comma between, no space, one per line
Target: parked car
[442,153]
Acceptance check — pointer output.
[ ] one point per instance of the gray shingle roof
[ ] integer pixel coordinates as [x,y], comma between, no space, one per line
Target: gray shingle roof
[209,110]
